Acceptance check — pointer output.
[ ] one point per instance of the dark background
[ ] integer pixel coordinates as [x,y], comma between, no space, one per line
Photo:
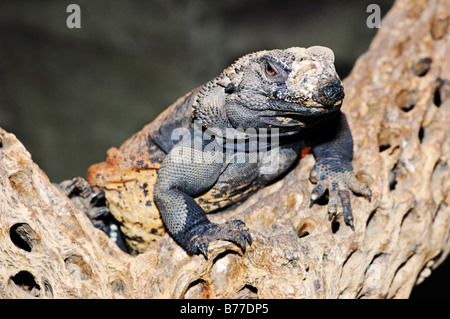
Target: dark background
[70,94]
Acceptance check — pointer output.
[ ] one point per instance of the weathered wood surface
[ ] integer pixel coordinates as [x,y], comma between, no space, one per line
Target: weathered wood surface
[398,105]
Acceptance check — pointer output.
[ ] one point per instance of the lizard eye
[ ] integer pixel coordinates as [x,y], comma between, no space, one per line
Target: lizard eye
[273,71]
[270,70]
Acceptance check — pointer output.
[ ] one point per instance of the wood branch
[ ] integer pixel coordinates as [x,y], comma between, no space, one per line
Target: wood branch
[398,105]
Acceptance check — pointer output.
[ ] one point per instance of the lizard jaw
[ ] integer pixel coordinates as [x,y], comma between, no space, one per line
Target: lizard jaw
[309,104]
[315,104]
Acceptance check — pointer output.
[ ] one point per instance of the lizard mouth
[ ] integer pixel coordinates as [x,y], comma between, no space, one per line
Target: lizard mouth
[306,108]
[311,103]
[296,114]
[287,120]
[293,104]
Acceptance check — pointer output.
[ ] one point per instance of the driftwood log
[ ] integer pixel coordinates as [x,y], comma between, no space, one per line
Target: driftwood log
[398,105]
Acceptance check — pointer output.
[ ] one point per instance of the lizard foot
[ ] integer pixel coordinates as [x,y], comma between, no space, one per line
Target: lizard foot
[234,231]
[92,202]
[338,178]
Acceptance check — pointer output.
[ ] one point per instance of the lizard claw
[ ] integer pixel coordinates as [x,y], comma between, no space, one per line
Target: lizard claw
[330,216]
[203,248]
[360,188]
[233,231]
[368,194]
[97,195]
[317,192]
[344,196]
[103,211]
[350,224]
[242,243]
[72,183]
[338,178]
[78,186]
[248,236]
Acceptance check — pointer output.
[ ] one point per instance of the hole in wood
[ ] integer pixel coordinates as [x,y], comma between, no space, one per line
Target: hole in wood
[376,223]
[442,92]
[389,138]
[407,220]
[335,226]
[26,281]
[392,177]
[438,28]
[48,290]
[347,259]
[437,97]
[23,236]
[78,268]
[198,289]
[305,228]
[406,100]
[248,292]
[373,277]
[384,147]
[403,270]
[421,134]
[118,288]
[372,214]
[421,66]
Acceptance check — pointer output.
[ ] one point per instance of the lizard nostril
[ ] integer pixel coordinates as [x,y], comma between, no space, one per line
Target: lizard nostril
[331,93]
[334,91]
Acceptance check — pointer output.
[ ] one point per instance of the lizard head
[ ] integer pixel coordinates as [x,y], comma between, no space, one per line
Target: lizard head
[289,89]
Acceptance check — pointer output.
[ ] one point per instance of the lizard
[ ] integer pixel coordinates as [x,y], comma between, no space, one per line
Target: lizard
[277,104]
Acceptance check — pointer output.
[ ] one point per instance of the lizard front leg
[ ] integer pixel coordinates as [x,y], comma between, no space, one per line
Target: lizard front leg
[333,170]
[185,173]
